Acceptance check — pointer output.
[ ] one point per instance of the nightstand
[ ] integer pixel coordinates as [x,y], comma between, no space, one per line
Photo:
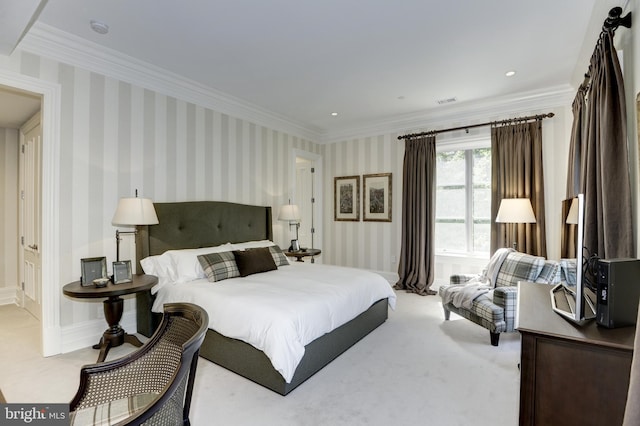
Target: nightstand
[303,253]
[113,307]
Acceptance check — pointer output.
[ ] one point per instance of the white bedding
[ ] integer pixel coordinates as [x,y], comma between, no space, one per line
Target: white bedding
[281,311]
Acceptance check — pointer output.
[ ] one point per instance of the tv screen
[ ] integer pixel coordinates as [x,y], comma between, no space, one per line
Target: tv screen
[572,298]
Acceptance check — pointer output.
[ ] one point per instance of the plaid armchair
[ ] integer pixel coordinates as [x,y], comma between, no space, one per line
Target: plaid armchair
[495,309]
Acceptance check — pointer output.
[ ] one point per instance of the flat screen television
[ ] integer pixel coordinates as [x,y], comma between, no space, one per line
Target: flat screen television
[572,298]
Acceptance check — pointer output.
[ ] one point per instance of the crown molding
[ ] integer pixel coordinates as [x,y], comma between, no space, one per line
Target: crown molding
[47,41]
[50,42]
[468,112]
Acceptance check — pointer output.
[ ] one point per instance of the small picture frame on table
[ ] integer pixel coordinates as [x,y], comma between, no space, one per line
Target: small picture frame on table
[92,268]
[122,272]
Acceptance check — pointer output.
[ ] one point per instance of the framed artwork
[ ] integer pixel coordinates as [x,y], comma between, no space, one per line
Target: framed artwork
[92,268]
[377,197]
[122,272]
[346,198]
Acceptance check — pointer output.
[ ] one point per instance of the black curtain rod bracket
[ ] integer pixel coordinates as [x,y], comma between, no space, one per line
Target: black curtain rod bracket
[614,20]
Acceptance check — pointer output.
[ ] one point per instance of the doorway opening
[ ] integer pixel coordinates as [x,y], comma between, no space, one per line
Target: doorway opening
[48,98]
[307,194]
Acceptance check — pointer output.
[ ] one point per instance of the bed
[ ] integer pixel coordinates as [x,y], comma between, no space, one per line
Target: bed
[191,225]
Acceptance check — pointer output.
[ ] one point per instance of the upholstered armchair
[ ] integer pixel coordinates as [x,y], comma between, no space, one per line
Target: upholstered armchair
[489,299]
[151,386]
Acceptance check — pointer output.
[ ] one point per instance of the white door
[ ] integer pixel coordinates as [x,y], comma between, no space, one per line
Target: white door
[29,214]
[308,196]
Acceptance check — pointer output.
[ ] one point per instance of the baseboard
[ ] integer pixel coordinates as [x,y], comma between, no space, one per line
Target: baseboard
[88,333]
[8,296]
[391,277]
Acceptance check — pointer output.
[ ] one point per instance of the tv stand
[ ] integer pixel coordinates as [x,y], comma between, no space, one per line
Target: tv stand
[563,302]
[569,375]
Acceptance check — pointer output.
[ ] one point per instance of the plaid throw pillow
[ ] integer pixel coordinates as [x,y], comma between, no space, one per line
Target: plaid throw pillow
[219,266]
[278,256]
[519,267]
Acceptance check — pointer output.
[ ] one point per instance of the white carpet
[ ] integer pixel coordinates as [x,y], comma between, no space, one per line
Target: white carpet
[414,369]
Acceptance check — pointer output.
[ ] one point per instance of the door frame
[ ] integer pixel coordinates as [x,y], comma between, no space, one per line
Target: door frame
[317,189]
[50,119]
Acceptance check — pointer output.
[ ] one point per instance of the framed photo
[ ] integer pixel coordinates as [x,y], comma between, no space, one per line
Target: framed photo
[295,245]
[92,268]
[347,198]
[122,272]
[377,197]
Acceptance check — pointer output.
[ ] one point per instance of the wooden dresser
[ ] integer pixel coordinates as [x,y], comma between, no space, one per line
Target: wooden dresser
[569,375]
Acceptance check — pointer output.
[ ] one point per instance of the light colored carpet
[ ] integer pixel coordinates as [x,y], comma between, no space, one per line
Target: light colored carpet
[414,369]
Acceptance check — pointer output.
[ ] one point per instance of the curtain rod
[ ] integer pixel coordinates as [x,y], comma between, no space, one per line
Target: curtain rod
[489,123]
[612,22]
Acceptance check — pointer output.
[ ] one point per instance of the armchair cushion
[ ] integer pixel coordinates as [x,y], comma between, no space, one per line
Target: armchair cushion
[461,278]
[112,412]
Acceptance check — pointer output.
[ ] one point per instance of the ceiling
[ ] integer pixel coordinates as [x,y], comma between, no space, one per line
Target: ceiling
[369,61]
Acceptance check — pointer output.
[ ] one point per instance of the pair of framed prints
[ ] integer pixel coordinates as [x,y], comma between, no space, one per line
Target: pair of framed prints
[376,200]
[94,272]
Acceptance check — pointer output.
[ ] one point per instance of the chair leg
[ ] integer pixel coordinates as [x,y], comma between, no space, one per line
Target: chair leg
[495,337]
[446,314]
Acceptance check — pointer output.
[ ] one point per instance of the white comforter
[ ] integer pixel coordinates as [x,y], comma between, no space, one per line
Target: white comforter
[281,311]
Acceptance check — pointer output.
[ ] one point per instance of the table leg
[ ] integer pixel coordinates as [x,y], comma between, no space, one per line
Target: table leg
[115,334]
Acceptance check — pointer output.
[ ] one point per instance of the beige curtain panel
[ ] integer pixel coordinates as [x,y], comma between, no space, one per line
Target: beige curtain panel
[516,172]
[418,216]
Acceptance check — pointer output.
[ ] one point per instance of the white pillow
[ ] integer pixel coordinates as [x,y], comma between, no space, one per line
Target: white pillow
[186,266]
[254,244]
[162,267]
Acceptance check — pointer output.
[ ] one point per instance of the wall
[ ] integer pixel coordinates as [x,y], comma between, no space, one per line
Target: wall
[117,137]
[9,149]
[376,246]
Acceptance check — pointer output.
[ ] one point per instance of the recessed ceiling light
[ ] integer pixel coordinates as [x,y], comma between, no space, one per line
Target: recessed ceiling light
[99,27]
[510,73]
[334,114]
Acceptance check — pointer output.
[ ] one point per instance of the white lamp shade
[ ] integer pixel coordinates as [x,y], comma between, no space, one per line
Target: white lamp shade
[515,210]
[289,212]
[135,211]
[572,216]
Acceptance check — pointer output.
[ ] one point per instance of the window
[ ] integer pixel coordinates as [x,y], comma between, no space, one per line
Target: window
[463,201]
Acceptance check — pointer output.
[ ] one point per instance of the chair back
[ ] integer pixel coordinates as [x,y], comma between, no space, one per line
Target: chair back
[164,367]
[183,324]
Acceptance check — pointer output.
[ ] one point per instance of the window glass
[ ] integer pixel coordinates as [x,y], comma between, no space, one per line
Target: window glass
[463,201]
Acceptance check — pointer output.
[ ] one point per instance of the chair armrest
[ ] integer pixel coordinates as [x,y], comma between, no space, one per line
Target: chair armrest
[506,297]
[461,278]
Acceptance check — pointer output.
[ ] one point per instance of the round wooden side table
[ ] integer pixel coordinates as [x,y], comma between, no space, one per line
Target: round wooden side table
[303,253]
[113,308]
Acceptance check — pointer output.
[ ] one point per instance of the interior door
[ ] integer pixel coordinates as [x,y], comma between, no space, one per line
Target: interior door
[30,211]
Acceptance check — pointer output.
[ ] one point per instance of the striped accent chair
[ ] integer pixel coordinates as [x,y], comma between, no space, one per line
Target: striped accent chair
[495,310]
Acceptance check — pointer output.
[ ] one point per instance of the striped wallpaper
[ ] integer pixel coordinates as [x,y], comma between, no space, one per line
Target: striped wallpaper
[9,148]
[117,137]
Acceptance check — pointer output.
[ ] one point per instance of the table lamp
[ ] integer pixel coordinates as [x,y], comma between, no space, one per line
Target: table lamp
[132,212]
[291,213]
[515,210]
